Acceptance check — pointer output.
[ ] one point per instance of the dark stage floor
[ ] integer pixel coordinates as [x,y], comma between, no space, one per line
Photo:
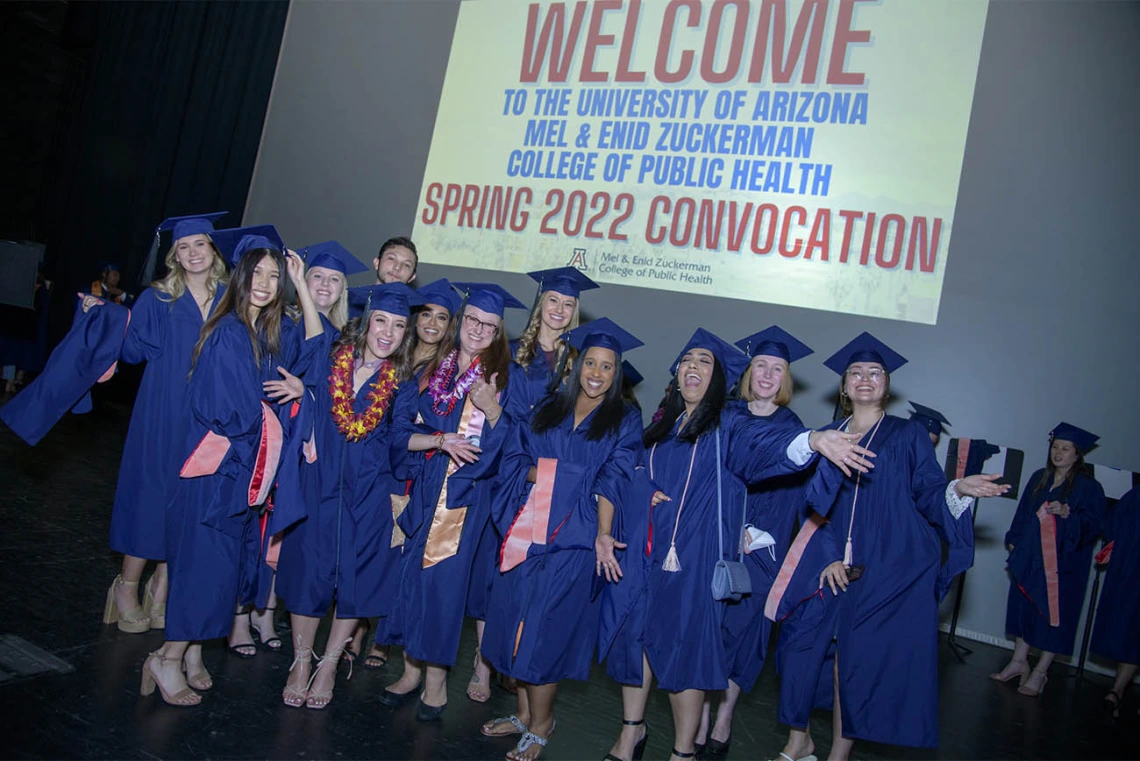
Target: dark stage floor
[55,505]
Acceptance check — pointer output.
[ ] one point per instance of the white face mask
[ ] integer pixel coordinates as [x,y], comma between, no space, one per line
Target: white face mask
[758,539]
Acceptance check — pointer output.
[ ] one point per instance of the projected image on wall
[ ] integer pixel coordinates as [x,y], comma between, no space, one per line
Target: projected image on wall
[798,152]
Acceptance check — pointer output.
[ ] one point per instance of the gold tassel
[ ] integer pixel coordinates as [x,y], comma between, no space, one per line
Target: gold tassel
[847,554]
[671,564]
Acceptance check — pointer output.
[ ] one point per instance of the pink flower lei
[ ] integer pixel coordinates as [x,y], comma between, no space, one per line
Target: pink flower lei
[442,400]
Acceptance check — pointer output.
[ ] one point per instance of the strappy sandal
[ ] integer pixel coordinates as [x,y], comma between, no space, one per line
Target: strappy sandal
[293,696]
[199,680]
[679,754]
[155,611]
[639,749]
[132,621]
[476,690]
[528,741]
[244,650]
[319,701]
[518,727]
[273,644]
[184,698]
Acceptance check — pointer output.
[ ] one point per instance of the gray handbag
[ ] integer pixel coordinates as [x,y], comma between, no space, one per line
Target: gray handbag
[730,580]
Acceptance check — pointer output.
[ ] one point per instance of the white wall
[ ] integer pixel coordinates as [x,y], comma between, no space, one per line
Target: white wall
[1039,305]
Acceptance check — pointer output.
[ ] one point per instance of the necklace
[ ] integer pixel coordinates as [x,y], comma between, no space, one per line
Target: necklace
[351,425]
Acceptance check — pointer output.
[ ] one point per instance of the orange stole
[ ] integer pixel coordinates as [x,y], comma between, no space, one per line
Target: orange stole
[791,561]
[533,521]
[211,451]
[447,522]
[1049,556]
[963,453]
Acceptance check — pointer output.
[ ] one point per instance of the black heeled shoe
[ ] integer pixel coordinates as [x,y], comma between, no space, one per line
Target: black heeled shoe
[424,712]
[639,749]
[718,749]
[679,754]
[397,699]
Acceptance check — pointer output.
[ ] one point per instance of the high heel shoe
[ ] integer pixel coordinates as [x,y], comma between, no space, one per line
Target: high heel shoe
[424,712]
[1013,668]
[716,748]
[273,644]
[1027,687]
[292,696]
[184,698]
[639,749]
[155,611]
[133,621]
[320,700]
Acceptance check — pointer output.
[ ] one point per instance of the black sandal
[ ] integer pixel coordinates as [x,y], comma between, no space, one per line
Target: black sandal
[241,650]
[679,754]
[639,749]
[1113,704]
[273,644]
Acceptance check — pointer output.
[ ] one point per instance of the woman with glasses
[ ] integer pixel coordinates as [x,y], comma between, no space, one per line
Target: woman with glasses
[447,439]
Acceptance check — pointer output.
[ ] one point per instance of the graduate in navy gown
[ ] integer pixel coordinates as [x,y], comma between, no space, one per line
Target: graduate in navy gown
[434,319]
[230,457]
[344,554]
[327,268]
[1050,543]
[447,439]
[561,473]
[699,455]
[872,642]
[773,508]
[930,419]
[1116,635]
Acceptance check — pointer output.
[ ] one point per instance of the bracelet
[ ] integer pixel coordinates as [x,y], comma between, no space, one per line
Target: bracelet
[442,441]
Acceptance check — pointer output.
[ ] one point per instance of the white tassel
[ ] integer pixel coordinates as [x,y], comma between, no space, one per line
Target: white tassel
[847,554]
[671,564]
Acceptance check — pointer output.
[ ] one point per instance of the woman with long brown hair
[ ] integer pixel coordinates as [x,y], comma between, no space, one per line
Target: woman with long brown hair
[231,455]
[447,438]
[1050,546]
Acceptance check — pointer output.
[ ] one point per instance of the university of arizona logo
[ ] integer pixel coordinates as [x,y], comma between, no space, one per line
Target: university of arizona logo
[578,260]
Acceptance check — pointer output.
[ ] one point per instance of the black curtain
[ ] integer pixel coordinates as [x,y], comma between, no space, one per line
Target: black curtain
[168,123]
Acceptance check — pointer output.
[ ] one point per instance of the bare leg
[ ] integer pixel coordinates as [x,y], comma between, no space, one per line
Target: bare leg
[297,684]
[840,745]
[157,584]
[633,700]
[127,593]
[703,727]
[479,688]
[410,679]
[1018,664]
[800,743]
[164,668]
[263,620]
[1035,682]
[1124,675]
[686,715]
[722,730]
[196,674]
[435,686]
[324,679]
[240,639]
[540,700]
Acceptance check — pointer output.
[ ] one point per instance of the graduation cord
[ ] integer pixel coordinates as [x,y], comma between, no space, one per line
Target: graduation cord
[847,554]
[672,564]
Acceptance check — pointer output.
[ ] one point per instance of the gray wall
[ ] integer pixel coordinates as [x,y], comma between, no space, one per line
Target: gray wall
[1038,308]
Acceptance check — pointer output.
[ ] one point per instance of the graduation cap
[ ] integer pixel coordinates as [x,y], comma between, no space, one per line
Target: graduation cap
[732,361]
[108,266]
[865,348]
[774,342]
[331,255]
[490,297]
[233,242]
[395,298]
[565,280]
[604,333]
[180,227]
[442,293]
[931,419]
[1080,438]
[629,374]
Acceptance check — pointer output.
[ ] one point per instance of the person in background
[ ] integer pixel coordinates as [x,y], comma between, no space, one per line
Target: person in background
[630,380]
[1050,543]
[396,262]
[930,419]
[107,284]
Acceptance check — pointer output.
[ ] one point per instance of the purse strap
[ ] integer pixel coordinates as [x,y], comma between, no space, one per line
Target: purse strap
[720,514]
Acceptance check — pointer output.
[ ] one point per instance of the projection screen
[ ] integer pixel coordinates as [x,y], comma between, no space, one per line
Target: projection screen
[798,152]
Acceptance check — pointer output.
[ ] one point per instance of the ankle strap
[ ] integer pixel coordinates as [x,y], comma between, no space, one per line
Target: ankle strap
[637,723]
[679,754]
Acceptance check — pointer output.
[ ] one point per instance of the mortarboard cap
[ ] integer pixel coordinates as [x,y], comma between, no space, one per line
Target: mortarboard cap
[931,419]
[233,242]
[865,348]
[194,224]
[333,256]
[108,266]
[629,374]
[395,298]
[441,293]
[1081,439]
[605,333]
[774,342]
[732,361]
[565,280]
[490,297]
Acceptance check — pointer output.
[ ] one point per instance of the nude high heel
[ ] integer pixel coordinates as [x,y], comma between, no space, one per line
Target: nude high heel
[133,621]
[184,698]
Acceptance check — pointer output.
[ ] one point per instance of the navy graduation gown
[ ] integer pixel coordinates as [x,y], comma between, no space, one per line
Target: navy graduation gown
[213,543]
[542,615]
[534,379]
[162,333]
[776,506]
[343,549]
[428,615]
[84,356]
[682,632]
[1117,632]
[1027,612]
[885,626]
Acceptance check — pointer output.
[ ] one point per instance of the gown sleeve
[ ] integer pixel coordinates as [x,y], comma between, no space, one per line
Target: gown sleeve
[757,449]
[1026,510]
[928,490]
[618,469]
[146,331]
[405,464]
[1087,508]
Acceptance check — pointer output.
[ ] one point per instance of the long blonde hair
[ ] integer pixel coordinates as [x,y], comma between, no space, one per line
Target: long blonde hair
[174,283]
[528,341]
